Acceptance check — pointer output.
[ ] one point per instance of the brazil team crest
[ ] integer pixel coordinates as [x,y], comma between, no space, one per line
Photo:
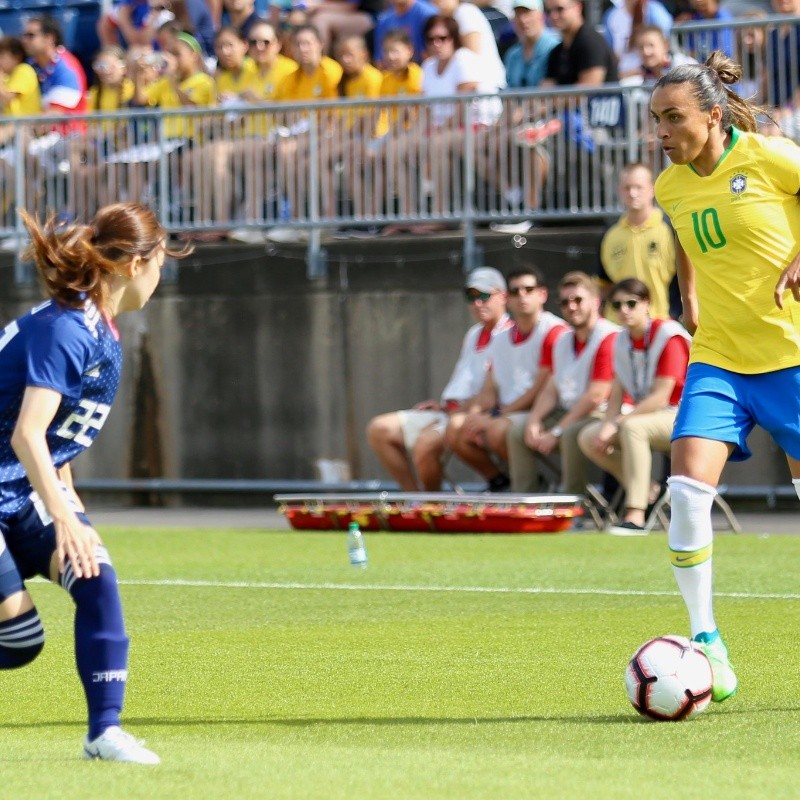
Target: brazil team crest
[738,184]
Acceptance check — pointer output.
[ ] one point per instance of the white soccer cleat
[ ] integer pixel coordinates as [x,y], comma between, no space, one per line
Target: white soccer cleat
[114,744]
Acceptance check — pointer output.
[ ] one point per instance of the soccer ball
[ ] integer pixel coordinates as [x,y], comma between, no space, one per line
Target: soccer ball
[669,678]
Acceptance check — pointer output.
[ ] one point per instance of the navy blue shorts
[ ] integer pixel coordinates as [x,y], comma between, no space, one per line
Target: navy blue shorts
[30,542]
[725,406]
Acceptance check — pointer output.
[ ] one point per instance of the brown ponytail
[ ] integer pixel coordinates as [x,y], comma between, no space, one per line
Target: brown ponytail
[76,262]
[710,82]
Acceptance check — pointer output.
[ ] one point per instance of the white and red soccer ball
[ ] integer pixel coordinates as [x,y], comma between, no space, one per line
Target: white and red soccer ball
[669,678]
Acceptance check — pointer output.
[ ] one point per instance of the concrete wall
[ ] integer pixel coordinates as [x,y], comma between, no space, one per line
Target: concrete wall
[244,368]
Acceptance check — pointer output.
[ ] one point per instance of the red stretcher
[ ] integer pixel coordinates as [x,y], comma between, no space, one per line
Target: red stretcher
[436,512]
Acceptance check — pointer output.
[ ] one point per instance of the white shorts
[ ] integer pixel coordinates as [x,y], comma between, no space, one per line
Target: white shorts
[413,421]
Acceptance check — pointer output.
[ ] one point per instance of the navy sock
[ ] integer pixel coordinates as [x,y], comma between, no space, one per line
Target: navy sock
[101,645]
[21,640]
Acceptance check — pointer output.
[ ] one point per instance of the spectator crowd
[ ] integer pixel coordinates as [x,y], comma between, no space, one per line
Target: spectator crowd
[191,54]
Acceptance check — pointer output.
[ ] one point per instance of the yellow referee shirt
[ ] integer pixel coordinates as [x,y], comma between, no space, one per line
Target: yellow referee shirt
[740,227]
[646,252]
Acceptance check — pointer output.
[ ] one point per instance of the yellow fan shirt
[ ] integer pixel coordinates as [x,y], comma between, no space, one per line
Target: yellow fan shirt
[740,227]
[199,88]
[322,84]
[104,99]
[406,84]
[367,85]
[23,82]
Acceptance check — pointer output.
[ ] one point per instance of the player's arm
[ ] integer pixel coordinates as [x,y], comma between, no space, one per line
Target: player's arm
[686,282]
[74,540]
[657,399]
[789,281]
[65,476]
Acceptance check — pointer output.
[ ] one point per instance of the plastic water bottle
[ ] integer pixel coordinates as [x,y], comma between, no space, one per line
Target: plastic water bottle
[356,548]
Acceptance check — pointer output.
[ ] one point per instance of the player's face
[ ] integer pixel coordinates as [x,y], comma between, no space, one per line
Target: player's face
[141,286]
[682,127]
[489,309]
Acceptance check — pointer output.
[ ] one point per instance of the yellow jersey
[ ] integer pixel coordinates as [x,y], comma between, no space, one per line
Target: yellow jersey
[265,86]
[740,227]
[646,252]
[103,99]
[322,84]
[405,84]
[23,82]
[198,87]
[366,84]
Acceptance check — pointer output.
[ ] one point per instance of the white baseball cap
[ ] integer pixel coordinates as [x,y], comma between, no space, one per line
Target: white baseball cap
[486,279]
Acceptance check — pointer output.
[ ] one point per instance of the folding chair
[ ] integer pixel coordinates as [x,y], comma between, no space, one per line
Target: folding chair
[659,515]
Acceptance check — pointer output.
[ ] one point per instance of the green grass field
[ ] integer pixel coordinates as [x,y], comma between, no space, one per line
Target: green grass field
[264,666]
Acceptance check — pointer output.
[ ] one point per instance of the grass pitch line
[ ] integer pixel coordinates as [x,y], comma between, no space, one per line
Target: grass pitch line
[366,587]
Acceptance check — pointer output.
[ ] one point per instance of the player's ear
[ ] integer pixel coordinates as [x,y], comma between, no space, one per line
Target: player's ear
[134,267]
[714,116]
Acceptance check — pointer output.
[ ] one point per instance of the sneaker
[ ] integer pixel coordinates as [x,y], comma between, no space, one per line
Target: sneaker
[513,227]
[724,681]
[627,529]
[247,235]
[114,744]
[284,235]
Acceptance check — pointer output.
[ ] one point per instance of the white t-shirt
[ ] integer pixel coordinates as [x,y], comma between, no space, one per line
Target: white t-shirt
[464,67]
[471,19]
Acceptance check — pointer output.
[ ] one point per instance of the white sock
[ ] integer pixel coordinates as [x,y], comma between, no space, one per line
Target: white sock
[690,542]
[796,482]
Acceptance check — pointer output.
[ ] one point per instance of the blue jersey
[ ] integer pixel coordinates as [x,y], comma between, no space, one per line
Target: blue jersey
[76,353]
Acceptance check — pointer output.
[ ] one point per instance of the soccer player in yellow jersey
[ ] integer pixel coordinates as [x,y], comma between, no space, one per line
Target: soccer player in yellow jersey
[732,197]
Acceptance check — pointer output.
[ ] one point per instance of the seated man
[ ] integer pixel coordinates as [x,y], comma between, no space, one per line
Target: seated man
[650,361]
[574,395]
[410,443]
[521,362]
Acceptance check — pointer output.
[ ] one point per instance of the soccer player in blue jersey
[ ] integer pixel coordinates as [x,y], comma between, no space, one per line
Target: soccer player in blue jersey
[732,198]
[59,372]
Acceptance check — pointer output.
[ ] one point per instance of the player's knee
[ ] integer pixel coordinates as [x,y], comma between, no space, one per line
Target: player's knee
[21,640]
[690,523]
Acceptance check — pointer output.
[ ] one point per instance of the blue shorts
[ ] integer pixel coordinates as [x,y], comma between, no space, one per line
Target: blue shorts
[30,544]
[725,406]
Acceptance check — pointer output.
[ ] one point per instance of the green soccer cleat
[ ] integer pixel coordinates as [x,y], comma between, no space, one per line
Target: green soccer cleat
[724,681]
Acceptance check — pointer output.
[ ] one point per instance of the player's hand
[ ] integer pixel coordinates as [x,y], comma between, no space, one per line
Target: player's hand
[789,280]
[547,444]
[533,432]
[76,543]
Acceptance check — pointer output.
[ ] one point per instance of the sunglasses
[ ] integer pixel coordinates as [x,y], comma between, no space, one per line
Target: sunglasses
[515,290]
[438,39]
[473,296]
[568,301]
[256,42]
[629,304]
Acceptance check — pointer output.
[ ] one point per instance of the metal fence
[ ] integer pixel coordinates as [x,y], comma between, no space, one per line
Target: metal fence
[464,161]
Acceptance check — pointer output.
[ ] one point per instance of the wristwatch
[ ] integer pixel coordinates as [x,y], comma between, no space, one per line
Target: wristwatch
[556,431]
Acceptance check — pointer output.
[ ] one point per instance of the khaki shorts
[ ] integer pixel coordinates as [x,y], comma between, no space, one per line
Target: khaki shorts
[414,421]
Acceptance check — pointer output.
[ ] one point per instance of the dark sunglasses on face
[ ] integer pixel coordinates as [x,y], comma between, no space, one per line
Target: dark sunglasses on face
[629,304]
[515,290]
[473,296]
[256,42]
[568,301]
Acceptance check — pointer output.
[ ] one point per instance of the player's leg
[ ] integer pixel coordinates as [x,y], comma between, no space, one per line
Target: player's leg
[386,438]
[712,426]
[21,631]
[101,644]
[523,463]
[475,455]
